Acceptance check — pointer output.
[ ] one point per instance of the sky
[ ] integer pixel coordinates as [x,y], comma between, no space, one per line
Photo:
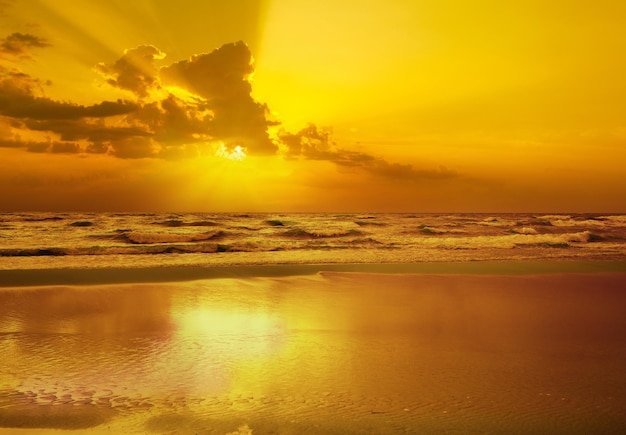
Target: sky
[326,106]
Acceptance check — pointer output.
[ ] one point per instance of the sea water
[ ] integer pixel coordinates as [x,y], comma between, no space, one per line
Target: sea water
[85,240]
[262,352]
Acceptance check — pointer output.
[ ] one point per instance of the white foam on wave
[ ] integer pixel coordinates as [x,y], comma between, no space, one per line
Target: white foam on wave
[497,222]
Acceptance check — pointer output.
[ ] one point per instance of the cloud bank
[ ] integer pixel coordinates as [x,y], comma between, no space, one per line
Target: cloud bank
[201,105]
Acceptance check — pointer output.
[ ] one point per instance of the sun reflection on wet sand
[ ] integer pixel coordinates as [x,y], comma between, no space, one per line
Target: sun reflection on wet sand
[332,353]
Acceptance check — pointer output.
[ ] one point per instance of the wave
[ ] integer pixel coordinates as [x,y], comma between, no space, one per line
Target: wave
[32,252]
[43,219]
[143,238]
[54,238]
[275,223]
[497,222]
[592,222]
[29,218]
[82,224]
[370,223]
[299,233]
[620,219]
[206,248]
[552,217]
[502,241]
[169,244]
[524,230]
[175,223]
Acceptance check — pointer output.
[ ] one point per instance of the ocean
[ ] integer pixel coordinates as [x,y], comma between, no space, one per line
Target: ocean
[85,240]
[240,324]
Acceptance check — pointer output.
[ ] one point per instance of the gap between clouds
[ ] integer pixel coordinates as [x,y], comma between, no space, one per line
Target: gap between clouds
[183,109]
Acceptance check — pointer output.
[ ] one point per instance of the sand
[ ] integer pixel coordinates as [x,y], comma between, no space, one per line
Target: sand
[336,352]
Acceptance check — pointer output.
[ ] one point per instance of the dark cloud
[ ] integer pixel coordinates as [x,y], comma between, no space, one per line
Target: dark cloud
[155,129]
[135,70]
[135,148]
[218,109]
[219,75]
[98,147]
[312,143]
[9,143]
[164,123]
[124,142]
[24,106]
[222,79]
[96,131]
[18,44]
[221,111]
[42,147]
[173,121]
[401,171]
[19,99]
[65,147]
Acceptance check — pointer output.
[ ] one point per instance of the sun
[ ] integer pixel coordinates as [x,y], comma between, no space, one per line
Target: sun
[237,153]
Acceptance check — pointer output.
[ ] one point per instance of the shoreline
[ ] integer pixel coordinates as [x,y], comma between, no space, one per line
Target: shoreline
[121,275]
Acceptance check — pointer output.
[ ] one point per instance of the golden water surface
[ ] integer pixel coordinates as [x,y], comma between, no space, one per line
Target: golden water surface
[333,353]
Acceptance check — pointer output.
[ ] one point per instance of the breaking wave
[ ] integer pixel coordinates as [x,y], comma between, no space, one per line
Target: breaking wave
[505,241]
[142,238]
[176,223]
[120,250]
[300,233]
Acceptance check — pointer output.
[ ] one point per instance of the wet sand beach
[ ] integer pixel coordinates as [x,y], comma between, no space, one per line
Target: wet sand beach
[334,352]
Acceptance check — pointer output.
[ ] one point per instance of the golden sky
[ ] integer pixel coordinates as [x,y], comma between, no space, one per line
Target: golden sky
[289,105]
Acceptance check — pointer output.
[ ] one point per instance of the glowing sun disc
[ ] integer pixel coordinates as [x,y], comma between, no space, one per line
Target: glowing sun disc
[238,153]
